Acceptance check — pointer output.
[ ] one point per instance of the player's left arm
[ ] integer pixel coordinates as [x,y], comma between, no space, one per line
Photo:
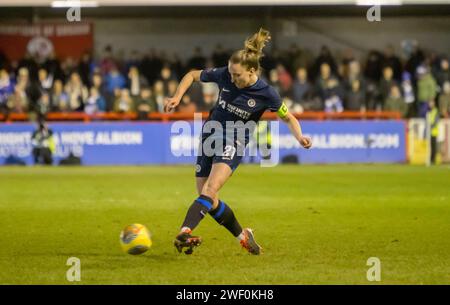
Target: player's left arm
[294,125]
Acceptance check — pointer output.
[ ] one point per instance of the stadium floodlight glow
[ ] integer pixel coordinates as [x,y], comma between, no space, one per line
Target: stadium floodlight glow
[379,2]
[115,3]
[74,3]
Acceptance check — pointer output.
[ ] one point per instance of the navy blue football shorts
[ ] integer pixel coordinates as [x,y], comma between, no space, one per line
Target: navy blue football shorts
[230,153]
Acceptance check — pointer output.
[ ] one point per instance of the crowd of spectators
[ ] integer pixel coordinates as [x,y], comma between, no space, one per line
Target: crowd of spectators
[381,81]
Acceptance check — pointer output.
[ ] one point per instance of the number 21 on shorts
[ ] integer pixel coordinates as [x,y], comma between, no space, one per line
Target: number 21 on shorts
[229,152]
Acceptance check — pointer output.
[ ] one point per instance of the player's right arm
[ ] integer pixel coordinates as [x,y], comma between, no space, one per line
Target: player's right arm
[186,82]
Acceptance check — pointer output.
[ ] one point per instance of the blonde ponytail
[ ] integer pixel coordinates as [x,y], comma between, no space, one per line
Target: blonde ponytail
[256,43]
[252,52]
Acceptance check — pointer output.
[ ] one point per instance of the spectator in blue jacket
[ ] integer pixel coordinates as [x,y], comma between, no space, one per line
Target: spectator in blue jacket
[114,80]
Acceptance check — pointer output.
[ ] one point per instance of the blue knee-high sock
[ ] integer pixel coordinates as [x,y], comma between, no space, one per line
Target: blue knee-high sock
[197,211]
[224,216]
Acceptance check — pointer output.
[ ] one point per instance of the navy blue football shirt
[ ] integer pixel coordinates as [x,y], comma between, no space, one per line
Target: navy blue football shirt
[245,104]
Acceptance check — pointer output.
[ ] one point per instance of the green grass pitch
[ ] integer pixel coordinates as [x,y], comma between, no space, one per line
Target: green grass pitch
[317,225]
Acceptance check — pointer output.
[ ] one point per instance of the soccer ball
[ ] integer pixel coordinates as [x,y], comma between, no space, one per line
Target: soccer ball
[135,239]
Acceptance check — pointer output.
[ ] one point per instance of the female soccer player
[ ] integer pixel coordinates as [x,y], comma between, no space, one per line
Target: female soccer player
[243,98]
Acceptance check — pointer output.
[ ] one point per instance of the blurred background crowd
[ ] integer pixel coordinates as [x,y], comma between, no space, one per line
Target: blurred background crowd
[327,81]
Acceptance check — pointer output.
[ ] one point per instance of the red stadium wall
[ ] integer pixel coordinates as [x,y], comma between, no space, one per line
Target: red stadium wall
[65,39]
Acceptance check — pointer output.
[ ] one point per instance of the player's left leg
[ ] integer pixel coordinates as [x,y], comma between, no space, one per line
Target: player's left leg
[224,215]
[219,172]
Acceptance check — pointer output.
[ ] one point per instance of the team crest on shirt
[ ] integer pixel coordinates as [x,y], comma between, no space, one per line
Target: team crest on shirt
[251,102]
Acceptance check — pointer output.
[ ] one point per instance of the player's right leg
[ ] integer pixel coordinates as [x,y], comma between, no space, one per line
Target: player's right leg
[208,200]
[185,240]
[200,182]
[196,211]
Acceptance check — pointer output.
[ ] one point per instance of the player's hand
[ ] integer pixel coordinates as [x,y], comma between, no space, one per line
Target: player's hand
[170,104]
[306,142]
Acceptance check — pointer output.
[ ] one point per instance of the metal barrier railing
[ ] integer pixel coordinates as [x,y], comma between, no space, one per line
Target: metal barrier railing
[165,117]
